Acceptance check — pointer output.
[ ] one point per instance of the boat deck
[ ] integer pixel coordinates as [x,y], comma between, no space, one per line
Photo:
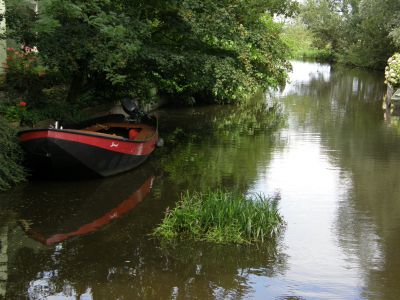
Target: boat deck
[120,130]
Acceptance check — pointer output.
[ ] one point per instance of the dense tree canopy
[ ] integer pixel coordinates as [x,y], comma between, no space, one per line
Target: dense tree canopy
[361,32]
[212,49]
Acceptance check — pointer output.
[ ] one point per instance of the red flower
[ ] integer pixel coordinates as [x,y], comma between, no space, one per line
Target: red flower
[10,49]
[23,104]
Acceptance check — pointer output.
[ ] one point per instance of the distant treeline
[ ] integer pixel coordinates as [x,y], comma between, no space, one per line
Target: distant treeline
[363,33]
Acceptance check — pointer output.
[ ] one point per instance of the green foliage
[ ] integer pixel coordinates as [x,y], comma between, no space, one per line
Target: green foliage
[393,24]
[20,16]
[395,36]
[370,45]
[360,33]
[189,50]
[323,21]
[11,171]
[301,43]
[52,106]
[222,217]
[24,75]
[324,55]
[392,71]
[13,112]
[297,37]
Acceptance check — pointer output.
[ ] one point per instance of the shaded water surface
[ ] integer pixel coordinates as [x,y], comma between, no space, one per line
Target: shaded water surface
[335,163]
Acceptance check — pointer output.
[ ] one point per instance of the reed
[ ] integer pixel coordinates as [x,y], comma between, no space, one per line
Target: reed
[222,217]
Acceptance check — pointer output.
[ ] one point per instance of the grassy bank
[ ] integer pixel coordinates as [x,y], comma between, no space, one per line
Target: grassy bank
[222,217]
[11,171]
[321,55]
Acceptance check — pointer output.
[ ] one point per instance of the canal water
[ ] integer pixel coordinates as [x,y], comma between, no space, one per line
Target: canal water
[334,161]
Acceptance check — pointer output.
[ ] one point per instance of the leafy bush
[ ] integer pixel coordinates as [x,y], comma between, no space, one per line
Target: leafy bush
[323,55]
[221,51]
[392,71]
[24,75]
[13,112]
[11,171]
[300,40]
[359,33]
[222,217]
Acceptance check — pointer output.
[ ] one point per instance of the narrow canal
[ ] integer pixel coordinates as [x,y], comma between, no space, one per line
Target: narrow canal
[335,162]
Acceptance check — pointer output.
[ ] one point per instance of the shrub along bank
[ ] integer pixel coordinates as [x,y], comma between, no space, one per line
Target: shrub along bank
[358,33]
[392,71]
[190,51]
[11,171]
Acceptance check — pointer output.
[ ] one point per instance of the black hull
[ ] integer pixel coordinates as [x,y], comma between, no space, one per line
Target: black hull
[61,158]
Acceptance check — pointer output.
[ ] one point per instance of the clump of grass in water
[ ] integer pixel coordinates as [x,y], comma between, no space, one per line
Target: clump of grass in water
[222,217]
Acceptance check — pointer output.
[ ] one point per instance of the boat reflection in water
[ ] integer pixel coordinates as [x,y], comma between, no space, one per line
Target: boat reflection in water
[58,215]
[66,217]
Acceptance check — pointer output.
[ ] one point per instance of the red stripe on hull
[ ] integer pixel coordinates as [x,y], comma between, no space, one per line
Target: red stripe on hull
[114,145]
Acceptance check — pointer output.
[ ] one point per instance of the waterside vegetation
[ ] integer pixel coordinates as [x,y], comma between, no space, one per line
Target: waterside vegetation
[189,51]
[392,80]
[361,33]
[11,171]
[301,42]
[392,71]
[222,217]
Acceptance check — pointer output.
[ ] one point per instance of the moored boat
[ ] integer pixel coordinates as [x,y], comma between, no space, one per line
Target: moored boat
[103,146]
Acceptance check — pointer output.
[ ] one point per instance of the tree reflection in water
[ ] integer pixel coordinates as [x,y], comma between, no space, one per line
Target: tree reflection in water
[186,270]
